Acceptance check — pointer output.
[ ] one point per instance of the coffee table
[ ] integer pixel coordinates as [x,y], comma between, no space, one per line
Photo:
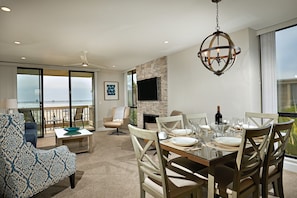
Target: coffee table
[62,139]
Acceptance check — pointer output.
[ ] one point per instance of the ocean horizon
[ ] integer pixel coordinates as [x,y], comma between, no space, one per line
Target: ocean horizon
[53,103]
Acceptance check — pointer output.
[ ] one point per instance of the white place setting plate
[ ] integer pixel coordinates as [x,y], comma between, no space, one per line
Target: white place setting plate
[228,141]
[184,141]
[181,131]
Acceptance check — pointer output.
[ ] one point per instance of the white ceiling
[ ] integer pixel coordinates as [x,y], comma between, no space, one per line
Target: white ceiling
[123,33]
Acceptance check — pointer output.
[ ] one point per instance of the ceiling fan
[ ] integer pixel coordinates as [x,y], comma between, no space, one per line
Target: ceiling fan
[84,61]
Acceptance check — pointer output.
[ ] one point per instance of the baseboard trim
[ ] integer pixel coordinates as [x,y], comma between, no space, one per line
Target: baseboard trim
[290,164]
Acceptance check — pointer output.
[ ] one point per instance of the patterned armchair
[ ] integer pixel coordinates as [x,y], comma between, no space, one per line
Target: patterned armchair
[25,170]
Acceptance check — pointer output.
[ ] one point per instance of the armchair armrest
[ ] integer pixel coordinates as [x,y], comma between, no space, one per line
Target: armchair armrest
[126,121]
[61,160]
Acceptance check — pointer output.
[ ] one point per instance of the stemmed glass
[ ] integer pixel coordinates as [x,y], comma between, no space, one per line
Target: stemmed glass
[198,132]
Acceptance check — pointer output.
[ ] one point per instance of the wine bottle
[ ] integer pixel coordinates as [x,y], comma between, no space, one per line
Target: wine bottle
[218,116]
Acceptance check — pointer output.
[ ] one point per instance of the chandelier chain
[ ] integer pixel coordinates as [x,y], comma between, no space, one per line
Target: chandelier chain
[217,17]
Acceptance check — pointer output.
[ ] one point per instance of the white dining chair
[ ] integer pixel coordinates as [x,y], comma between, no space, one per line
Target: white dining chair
[156,177]
[260,119]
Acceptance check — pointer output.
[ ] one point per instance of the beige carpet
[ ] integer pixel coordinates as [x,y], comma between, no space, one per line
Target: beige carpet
[111,172]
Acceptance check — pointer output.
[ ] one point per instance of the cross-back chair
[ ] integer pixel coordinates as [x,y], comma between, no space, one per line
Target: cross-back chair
[243,180]
[167,124]
[196,118]
[183,162]
[272,171]
[156,177]
[260,119]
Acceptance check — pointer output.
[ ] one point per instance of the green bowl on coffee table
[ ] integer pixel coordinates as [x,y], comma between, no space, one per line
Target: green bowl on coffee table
[72,131]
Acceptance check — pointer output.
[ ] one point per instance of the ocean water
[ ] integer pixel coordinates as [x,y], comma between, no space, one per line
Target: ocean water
[33,104]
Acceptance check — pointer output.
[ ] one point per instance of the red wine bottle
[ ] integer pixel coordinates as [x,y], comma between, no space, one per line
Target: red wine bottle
[218,116]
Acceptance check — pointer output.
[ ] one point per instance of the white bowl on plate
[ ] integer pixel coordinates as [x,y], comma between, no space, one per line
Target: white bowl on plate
[181,131]
[228,141]
[184,141]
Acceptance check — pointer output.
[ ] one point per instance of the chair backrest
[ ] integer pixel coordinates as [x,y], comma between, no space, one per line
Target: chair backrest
[261,119]
[148,166]
[196,118]
[120,113]
[79,113]
[250,155]
[280,137]
[28,116]
[175,113]
[274,158]
[167,124]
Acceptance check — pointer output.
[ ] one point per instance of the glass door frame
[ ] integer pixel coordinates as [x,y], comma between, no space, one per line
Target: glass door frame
[37,112]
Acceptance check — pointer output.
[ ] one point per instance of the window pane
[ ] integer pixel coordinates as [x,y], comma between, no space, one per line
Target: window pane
[286,73]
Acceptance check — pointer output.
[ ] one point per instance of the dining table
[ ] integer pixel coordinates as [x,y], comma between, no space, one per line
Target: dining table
[206,151]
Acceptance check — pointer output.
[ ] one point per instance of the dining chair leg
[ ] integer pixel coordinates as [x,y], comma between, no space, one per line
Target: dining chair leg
[278,187]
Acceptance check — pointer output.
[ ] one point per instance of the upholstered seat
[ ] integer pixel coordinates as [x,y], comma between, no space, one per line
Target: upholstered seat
[25,170]
[120,118]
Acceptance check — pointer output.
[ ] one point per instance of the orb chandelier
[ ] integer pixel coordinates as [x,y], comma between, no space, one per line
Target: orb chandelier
[217,51]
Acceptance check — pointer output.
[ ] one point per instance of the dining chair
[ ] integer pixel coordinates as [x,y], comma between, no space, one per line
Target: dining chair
[199,118]
[156,176]
[167,124]
[183,162]
[260,119]
[243,180]
[272,170]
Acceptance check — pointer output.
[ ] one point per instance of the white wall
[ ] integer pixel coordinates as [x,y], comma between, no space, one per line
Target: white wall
[103,107]
[8,88]
[192,88]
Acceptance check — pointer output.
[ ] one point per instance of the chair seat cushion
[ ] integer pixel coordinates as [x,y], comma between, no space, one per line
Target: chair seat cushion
[113,124]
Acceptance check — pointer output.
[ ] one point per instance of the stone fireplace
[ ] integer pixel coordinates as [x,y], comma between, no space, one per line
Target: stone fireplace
[154,68]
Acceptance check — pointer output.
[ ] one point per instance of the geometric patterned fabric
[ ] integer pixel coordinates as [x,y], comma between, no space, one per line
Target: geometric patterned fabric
[25,170]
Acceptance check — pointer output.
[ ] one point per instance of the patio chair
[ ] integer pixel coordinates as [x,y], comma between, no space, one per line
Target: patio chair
[79,116]
[25,170]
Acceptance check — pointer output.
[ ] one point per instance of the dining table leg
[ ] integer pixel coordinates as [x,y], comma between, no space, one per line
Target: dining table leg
[211,183]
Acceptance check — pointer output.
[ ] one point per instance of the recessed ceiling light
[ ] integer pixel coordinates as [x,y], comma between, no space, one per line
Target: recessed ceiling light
[113,66]
[23,58]
[17,42]
[166,42]
[5,9]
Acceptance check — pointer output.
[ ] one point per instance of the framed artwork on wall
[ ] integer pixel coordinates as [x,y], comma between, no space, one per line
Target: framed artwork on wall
[111,90]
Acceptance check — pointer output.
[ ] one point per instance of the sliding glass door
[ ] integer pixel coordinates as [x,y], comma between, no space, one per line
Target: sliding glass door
[82,112]
[30,98]
[57,98]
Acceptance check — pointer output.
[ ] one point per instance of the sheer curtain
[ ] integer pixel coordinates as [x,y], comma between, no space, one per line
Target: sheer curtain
[268,67]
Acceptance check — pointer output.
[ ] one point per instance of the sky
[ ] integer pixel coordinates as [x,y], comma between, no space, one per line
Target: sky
[286,53]
[55,88]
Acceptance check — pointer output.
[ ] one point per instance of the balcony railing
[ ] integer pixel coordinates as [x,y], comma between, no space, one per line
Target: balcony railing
[60,116]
